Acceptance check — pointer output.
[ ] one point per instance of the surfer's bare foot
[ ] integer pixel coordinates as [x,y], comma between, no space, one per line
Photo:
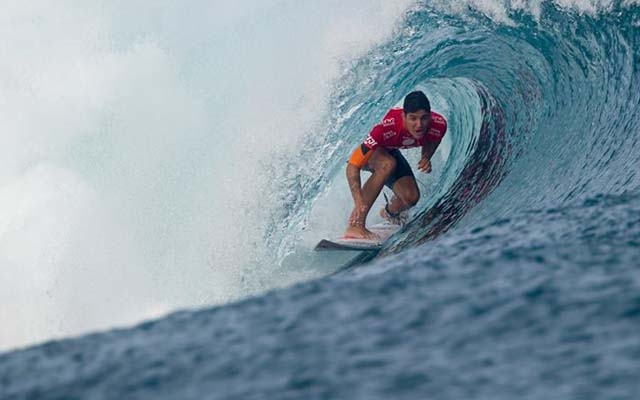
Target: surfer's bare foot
[360,232]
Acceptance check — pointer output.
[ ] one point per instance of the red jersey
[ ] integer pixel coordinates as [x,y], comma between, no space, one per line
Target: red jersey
[391,134]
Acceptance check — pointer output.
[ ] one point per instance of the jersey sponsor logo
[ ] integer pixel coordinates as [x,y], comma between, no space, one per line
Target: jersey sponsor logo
[436,132]
[437,119]
[370,142]
[408,142]
[388,122]
[389,134]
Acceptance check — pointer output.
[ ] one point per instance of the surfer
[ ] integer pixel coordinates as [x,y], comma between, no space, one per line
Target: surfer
[413,125]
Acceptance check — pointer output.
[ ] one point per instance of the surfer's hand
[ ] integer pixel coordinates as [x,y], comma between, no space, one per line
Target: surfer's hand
[358,216]
[424,165]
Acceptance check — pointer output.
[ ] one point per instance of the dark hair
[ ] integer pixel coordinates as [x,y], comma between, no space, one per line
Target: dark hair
[415,101]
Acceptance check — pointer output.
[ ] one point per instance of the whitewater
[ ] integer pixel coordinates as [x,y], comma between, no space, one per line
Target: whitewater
[165,170]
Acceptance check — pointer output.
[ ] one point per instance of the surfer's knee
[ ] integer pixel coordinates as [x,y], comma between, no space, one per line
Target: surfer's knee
[408,198]
[407,191]
[412,197]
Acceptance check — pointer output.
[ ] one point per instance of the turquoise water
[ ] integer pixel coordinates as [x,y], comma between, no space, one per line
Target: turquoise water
[517,276]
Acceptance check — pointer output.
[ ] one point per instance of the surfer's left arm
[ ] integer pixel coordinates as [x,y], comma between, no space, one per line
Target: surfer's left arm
[427,152]
[437,129]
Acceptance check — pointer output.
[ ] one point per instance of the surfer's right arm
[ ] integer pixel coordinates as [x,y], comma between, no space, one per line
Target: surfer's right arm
[353,179]
[357,161]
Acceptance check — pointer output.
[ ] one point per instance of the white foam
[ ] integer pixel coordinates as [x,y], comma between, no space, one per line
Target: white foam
[499,10]
[134,146]
[67,267]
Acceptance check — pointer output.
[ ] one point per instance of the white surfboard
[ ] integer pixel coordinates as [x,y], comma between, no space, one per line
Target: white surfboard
[384,230]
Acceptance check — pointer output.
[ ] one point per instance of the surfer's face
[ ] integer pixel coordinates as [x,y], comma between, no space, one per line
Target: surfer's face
[417,123]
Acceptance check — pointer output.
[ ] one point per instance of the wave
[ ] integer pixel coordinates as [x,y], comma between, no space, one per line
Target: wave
[134,149]
[517,273]
[541,107]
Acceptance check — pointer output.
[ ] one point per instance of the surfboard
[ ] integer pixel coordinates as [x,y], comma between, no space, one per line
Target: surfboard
[384,230]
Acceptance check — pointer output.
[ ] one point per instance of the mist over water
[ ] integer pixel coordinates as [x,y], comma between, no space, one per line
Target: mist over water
[134,140]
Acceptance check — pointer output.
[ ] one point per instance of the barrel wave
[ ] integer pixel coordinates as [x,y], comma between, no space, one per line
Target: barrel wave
[516,277]
[547,104]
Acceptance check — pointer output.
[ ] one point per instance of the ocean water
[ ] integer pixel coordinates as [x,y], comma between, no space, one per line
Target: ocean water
[166,169]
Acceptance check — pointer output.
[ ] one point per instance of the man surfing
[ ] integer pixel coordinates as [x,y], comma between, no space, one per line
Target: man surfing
[413,125]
